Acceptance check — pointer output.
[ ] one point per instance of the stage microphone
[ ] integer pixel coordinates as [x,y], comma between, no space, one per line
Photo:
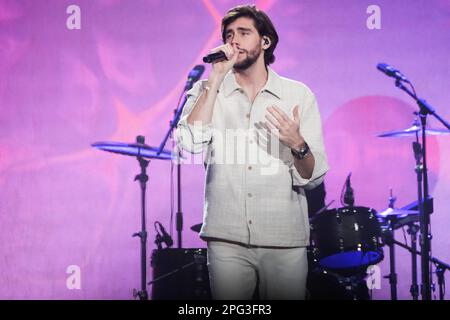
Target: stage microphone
[391,72]
[349,199]
[215,57]
[194,76]
[166,238]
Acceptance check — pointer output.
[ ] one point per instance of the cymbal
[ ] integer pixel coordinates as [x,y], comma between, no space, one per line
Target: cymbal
[134,149]
[399,213]
[411,131]
[196,227]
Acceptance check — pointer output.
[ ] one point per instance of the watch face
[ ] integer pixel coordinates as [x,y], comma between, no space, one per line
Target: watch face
[301,153]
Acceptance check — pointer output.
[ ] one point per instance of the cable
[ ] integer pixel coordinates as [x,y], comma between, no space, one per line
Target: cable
[412,87]
[172,192]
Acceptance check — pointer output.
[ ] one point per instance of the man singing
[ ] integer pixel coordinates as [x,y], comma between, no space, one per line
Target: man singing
[255,214]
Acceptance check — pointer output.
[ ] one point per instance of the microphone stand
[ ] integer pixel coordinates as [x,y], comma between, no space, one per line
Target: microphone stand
[193,76]
[425,237]
[173,125]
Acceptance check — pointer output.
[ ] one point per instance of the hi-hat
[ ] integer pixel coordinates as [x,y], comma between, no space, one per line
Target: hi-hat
[412,131]
[399,213]
[134,149]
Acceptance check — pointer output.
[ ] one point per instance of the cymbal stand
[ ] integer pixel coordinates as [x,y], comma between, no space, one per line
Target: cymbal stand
[142,178]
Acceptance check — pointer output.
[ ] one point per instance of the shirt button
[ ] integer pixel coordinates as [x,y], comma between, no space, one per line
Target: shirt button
[251,141]
[249,221]
[249,167]
[247,115]
[249,195]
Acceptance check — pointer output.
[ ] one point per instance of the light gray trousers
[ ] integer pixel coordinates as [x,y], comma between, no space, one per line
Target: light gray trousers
[234,271]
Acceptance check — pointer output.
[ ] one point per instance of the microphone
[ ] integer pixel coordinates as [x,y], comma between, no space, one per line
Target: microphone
[166,238]
[194,76]
[215,57]
[349,200]
[391,72]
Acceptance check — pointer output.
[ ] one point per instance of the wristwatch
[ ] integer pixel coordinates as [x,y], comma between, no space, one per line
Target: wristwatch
[302,153]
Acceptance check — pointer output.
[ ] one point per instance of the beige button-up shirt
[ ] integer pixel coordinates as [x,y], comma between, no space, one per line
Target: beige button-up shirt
[253,193]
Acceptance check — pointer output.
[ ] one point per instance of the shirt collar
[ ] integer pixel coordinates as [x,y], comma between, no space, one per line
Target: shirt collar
[272,86]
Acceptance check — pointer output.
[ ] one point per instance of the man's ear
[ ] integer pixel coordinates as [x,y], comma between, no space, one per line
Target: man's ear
[266,42]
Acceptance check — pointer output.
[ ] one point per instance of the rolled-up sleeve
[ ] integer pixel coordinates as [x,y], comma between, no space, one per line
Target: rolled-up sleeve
[311,130]
[192,138]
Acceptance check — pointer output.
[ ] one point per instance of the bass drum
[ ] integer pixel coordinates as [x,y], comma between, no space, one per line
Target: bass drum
[180,274]
[346,239]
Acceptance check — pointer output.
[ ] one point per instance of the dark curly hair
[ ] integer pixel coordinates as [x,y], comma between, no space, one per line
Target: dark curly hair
[262,23]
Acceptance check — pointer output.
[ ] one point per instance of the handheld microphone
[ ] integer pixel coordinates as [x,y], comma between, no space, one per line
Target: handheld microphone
[349,200]
[194,76]
[215,57]
[391,72]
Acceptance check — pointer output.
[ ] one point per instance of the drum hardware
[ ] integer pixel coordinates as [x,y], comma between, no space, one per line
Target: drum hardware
[180,274]
[440,270]
[441,267]
[392,219]
[142,152]
[422,176]
[324,284]
[162,236]
[348,199]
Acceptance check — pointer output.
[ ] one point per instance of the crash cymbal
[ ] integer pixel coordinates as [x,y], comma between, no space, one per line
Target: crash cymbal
[197,227]
[391,212]
[411,131]
[134,149]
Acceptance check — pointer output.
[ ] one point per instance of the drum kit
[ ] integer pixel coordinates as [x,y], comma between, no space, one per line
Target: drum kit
[344,241]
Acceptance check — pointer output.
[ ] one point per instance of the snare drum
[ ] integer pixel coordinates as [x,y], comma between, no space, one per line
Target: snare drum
[346,238]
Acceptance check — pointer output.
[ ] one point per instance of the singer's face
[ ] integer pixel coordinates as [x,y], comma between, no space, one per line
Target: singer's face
[244,37]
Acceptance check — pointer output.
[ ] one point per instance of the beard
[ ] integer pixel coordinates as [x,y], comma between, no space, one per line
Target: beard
[252,57]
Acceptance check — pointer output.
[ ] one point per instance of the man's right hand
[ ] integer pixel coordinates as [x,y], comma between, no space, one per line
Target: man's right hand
[221,68]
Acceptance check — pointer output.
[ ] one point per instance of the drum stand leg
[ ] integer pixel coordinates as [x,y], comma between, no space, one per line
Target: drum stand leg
[392,275]
[412,230]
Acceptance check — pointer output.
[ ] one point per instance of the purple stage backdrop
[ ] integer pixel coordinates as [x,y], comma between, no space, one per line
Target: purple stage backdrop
[80,71]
